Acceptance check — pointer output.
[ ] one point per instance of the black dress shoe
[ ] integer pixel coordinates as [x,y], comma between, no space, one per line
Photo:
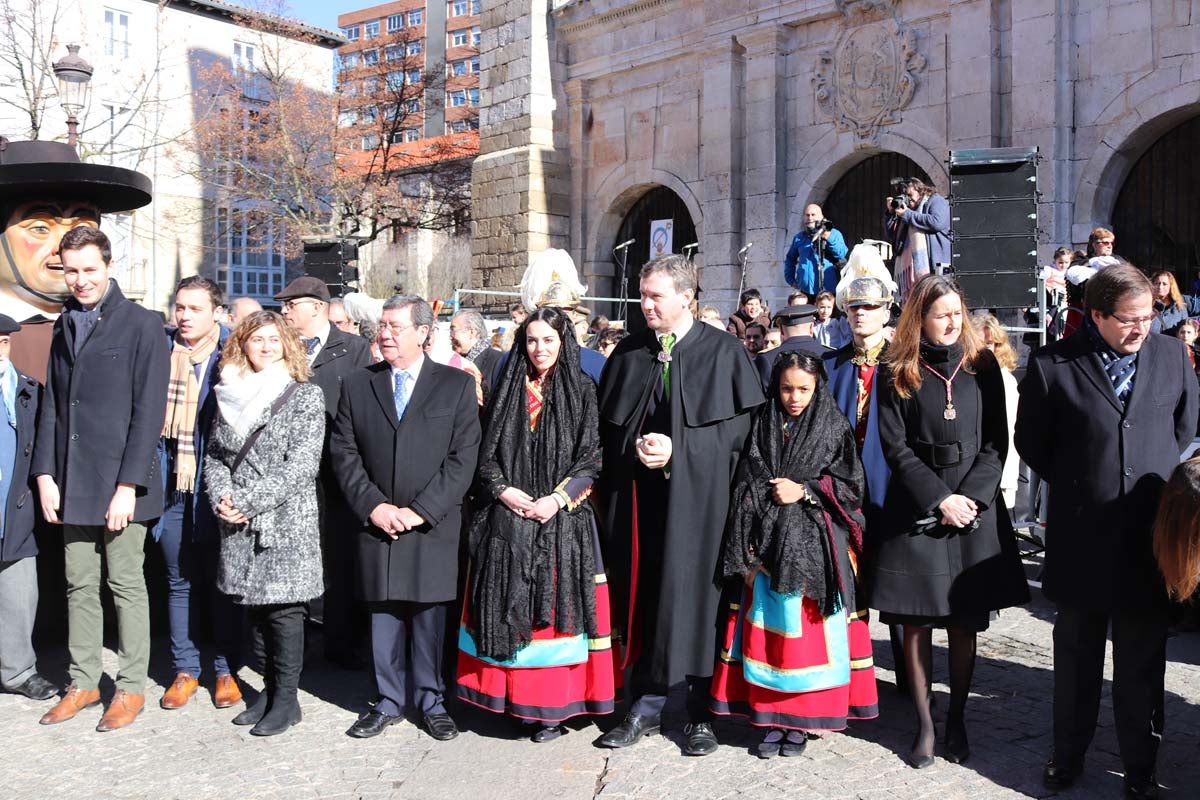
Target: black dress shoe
[632,728]
[372,724]
[441,727]
[36,688]
[1060,775]
[955,746]
[1141,788]
[794,744]
[701,741]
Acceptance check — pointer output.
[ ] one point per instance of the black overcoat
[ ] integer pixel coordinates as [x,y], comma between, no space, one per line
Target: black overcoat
[102,412]
[1105,465]
[425,462]
[18,541]
[947,571]
[716,391]
[342,355]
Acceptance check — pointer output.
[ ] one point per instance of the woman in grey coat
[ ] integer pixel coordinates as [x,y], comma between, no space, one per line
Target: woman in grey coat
[261,472]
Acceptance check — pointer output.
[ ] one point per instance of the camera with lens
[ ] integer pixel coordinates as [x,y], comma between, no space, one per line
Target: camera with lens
[900,199]
[819,226]
[898,202]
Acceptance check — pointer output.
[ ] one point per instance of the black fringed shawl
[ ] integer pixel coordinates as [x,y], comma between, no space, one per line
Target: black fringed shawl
[795,543]
[527,576]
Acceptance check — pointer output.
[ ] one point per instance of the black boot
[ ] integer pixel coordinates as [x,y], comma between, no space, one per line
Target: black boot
[285,626]
[256,710]
[260,646]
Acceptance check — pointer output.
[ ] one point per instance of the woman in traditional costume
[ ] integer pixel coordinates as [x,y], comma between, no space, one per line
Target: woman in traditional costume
[534,641]
[797,651]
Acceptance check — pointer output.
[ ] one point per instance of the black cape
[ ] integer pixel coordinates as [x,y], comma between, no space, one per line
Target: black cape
[714,390]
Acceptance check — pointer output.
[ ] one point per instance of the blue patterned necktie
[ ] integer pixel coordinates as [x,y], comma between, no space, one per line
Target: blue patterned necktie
[403,392]
[311,345]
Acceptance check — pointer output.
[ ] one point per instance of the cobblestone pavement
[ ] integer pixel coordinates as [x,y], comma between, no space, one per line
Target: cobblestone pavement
[197,753]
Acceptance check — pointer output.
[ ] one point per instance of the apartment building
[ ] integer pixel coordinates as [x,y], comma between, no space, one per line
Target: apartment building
[409,71]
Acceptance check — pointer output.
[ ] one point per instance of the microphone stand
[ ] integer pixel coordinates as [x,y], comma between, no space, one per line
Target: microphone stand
[622,255]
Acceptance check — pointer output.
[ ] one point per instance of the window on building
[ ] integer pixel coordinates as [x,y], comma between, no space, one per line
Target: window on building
[458,126]
[413,76]
[370,141]
[394,81]
[458,8]
[413,105]
[457,98]
[412,134]
[459,38]
[352,32]
[415,17]
[475,36]
[348,88]
[458,68]
[393,52]
[245,58]
[371,29]
[370,57]
[350,60]
[475,65]
[116,33]
[248,253]
[395,22]
[413,48]
[370,86]
[476,7]
[473,95]
[348,117]
[369,114]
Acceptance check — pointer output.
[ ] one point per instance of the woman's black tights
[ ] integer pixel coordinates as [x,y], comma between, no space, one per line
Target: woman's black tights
[918,658]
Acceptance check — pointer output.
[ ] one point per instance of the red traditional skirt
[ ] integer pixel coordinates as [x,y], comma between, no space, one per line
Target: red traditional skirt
[554,677]
[783,665]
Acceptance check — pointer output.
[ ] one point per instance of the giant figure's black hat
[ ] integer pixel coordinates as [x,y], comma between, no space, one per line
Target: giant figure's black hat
[33,169]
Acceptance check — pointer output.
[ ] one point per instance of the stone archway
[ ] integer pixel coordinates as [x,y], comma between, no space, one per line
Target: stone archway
[855,203]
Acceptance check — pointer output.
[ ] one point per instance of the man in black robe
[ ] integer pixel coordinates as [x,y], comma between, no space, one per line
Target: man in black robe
[675,407]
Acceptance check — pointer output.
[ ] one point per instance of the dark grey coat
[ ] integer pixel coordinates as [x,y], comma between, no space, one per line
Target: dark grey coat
[1105,465]
[425,462]
[948,571]
[18,541]
[276,557]
[103,410]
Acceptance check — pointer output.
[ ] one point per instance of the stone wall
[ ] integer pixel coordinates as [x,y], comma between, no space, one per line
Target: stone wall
[750,111]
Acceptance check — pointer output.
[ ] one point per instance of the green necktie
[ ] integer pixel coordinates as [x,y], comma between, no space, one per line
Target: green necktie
[668,342]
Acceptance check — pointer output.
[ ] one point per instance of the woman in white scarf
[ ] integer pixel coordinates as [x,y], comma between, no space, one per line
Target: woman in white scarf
[261,471]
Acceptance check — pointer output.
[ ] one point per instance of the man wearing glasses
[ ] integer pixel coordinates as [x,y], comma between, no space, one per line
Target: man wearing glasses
[333,355]
[1103,417]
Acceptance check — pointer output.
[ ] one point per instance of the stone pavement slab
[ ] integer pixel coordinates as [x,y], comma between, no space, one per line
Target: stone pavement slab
[197,753]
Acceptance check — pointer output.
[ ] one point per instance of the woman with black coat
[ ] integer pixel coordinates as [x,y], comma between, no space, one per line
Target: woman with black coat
[946,556]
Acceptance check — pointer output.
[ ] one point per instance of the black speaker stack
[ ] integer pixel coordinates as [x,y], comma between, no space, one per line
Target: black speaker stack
[334,262]
[993,218]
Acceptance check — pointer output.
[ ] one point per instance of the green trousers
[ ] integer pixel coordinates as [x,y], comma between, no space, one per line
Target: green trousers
[122,554]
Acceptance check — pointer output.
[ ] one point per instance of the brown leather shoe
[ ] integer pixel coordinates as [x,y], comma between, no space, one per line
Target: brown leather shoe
[123,709]
[226,693]
[74,701]
[180,691]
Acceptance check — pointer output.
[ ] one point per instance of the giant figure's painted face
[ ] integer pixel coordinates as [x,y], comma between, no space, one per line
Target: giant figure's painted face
[30,267]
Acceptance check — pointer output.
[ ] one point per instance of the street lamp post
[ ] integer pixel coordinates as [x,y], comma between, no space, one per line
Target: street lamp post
[74,74]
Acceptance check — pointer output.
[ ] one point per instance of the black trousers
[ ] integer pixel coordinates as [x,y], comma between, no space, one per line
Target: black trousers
[407,642]
[1139,666]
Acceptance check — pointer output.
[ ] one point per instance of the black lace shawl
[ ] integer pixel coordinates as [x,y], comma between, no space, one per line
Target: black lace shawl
[795,543]
[526,576]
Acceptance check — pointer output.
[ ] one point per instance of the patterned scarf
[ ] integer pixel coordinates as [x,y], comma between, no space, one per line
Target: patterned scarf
[477,350]
[183,401]
[1121,369]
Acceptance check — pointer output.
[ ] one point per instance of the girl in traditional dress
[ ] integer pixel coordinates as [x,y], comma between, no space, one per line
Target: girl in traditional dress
[797,652]
[534,641]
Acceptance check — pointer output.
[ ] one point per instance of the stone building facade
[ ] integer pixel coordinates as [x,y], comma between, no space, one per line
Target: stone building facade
[746,112]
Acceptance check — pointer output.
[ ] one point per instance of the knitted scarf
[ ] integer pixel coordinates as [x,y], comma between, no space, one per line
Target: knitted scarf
[1121,369]
[183,402]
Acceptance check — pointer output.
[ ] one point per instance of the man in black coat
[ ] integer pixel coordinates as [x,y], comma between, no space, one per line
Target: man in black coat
[675,407]
[98,471]
[795,324]
[405,443]
[333,355]
[20,396]
[1103,417]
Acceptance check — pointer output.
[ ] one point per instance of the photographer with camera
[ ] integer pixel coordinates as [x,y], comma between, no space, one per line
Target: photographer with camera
[918,228]
[817,253]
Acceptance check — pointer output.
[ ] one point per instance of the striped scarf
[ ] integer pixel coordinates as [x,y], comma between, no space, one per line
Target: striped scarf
[183,402]
[1121,369]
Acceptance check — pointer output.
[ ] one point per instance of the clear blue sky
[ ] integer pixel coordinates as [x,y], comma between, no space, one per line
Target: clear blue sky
[324,13]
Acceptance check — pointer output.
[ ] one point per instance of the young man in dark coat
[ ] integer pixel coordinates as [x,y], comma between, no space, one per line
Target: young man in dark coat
[675,406]
[20,396]
[98,471]
[333,355]
[404,446]
[795,324]
[1103,418]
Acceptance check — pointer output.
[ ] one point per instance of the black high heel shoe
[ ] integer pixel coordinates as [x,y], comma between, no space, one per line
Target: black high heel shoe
[918,760]
[957,750]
